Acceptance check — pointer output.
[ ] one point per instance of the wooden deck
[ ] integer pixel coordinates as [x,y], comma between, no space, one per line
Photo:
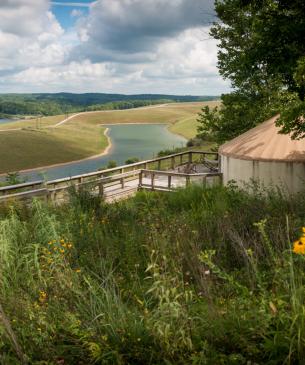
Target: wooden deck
[161,174]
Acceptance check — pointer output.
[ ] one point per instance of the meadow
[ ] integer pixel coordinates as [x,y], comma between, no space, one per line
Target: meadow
[37,144]
[201,276]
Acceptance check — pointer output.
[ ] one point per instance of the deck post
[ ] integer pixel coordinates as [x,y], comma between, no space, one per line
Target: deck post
[152,181]
[140,179]
[173,162]
[190,157]
[204,181]
[169,181]
[101,189]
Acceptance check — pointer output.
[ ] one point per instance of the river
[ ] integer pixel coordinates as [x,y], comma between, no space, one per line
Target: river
[143,141]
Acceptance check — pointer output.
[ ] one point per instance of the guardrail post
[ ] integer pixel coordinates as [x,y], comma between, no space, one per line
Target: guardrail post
[169,184]
[181,159]
[188,180]
[159,165]
[173,162]
[122,183]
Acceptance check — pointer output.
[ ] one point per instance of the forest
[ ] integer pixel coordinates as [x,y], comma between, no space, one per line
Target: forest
[62,103]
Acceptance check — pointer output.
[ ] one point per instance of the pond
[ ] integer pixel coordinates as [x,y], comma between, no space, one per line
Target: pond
[143,141]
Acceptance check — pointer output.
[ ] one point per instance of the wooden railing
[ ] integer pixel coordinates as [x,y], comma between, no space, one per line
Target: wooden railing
[186,179]
[100,180]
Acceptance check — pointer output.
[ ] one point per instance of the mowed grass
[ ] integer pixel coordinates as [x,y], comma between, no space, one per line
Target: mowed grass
[27,149]
[38,144]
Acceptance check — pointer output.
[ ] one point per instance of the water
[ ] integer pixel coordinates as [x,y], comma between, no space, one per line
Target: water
[5,120]
[143,141]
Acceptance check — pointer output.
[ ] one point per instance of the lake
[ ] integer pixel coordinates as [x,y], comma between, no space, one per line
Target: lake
[143,141]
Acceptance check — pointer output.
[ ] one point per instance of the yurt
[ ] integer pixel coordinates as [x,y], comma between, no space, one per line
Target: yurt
[264,155]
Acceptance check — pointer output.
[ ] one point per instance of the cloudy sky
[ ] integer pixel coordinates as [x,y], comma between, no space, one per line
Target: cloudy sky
[117,46]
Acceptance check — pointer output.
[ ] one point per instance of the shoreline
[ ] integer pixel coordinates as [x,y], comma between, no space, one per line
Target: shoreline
[105,152]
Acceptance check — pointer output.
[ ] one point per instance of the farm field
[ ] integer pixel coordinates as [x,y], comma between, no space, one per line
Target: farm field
[83,136]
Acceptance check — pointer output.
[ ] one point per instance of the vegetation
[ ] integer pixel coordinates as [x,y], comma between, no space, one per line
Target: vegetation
[62,103]
[131,160]
[202,276]
[262,54]
[111,164]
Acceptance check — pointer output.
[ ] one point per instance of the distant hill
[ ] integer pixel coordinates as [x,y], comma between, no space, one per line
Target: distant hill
[59,103]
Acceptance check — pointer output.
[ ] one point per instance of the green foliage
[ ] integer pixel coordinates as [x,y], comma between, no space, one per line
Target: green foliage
[261,51]
[131,160]
[238,113]
[13,178]
[202,276]
[111,164]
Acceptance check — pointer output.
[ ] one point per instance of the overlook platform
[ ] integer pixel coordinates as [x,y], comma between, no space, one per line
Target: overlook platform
[166,174]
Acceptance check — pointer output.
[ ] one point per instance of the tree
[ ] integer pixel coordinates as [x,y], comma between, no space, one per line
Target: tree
[261,51]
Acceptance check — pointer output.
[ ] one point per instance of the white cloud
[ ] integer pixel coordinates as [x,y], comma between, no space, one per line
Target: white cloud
[124,46]
[75,13]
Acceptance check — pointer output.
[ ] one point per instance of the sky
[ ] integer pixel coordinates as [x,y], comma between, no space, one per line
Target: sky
[110,46]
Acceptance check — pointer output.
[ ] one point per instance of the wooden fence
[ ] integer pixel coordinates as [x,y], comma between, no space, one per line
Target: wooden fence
[99,181]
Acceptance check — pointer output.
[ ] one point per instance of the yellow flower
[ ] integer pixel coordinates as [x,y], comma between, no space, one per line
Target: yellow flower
[42,296]
[299,247]
[303,230]
[78,270]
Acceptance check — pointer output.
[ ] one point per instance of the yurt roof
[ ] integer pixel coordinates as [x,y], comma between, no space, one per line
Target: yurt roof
[265,143]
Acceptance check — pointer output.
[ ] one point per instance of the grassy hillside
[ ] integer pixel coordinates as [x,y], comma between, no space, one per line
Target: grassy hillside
[82,136]
[202,276]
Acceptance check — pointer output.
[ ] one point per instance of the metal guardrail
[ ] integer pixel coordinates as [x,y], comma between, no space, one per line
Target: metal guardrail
[102,179]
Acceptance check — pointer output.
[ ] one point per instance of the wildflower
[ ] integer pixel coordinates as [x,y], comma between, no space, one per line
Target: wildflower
[78,270]
[50,243]
[62,250]
[69,245]
[299,246]
[42,296]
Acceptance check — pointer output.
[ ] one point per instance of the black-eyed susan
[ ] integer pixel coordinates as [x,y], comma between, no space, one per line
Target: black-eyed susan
[299,246]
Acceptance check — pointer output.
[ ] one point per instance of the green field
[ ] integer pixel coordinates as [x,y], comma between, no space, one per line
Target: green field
[82,136]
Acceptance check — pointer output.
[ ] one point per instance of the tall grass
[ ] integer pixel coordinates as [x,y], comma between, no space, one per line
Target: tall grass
[201,276]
